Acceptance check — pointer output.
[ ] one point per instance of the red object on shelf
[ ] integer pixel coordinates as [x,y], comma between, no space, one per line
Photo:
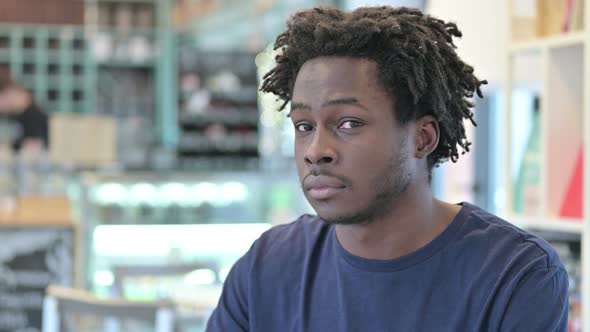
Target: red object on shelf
[572,205]
[567,20]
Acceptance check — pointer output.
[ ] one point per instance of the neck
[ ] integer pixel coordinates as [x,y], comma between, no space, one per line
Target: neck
[414,221]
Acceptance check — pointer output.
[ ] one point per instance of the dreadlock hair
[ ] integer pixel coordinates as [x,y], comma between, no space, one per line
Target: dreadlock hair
[416,60]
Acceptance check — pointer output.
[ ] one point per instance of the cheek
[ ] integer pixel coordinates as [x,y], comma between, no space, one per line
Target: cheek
[300,159]
[298,148]
[370,169]
[369,155]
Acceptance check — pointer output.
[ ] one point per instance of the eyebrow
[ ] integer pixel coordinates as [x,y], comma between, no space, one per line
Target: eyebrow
[339,101]
[300,106]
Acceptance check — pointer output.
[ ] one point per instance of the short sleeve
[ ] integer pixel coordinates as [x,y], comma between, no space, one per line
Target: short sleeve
[539,302]
[231,313]
[34,122]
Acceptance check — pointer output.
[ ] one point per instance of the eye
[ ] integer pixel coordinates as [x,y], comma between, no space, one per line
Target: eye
[349,124]
[303,127]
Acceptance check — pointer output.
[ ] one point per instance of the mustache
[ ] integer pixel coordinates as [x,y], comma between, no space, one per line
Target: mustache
[316,171]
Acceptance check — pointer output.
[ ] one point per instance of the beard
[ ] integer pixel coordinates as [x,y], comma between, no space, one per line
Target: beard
[389,186]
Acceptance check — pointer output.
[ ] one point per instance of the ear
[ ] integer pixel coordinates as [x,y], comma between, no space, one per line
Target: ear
[427,136]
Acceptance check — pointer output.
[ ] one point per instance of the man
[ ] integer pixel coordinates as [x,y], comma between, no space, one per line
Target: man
[378,98]
[18,107]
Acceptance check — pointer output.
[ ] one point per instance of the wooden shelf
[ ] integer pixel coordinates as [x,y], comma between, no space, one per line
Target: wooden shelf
[38,212]
[121,1]
[565,225]
[144,64]
[233,117]
[557,41]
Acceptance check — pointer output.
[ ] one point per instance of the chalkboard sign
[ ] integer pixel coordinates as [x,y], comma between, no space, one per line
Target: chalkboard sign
[30,260]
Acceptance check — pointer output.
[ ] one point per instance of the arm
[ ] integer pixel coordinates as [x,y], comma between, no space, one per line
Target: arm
[231,313]
[539,302]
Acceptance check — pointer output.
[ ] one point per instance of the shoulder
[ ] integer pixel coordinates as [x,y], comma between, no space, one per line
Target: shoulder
[285,249]
[305,225]
[282,246]
[501,240]
[293,238]
[524,279]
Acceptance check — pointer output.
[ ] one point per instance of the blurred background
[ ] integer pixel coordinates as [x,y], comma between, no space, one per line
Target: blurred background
[138,161]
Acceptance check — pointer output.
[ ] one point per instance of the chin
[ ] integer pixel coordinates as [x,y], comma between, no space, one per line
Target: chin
[331,217]
[337,211]
[337,214]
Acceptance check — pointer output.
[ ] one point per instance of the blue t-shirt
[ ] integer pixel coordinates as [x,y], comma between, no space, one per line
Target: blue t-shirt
[481,274]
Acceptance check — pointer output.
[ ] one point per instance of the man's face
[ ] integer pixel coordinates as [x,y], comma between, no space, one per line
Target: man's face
[353,158]
[12,100]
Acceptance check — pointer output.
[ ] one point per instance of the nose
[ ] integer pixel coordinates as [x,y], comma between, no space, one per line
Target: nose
[320,150]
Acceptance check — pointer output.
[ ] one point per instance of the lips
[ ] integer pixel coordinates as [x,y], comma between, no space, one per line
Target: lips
[322,187]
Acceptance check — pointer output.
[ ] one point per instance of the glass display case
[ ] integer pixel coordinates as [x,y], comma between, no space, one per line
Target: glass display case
[153,236]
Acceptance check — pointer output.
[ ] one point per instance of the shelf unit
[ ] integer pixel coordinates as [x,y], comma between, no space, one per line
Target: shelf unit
[67,70]
[53,62]
[134,43]
[548,134]
[219,117]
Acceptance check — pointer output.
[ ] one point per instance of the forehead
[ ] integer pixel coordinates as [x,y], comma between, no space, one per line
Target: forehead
[336,75]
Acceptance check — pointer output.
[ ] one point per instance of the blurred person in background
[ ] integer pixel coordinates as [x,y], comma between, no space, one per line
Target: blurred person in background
[378,97]
[31,124]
